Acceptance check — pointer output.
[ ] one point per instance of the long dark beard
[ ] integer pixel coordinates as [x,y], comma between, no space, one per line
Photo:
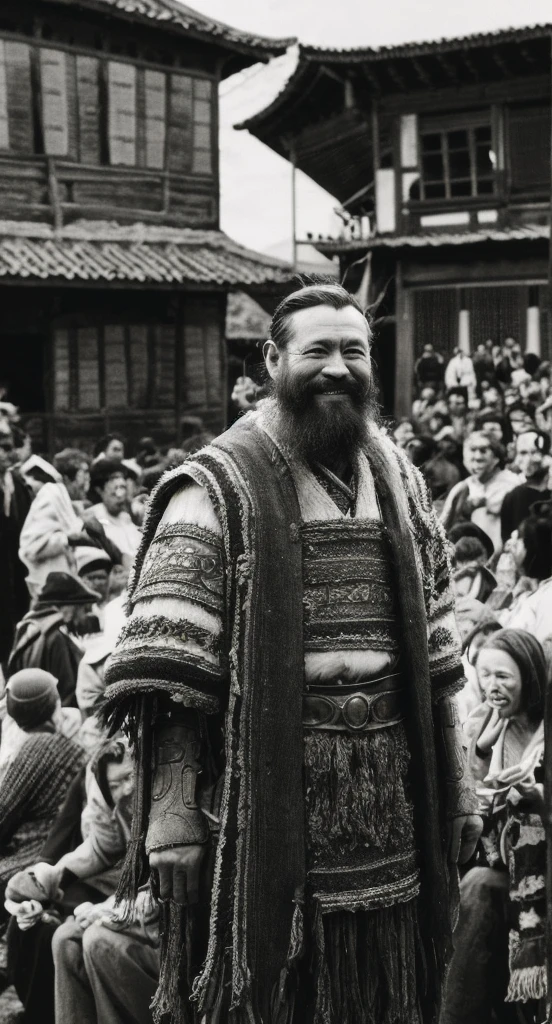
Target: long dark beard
[325,431]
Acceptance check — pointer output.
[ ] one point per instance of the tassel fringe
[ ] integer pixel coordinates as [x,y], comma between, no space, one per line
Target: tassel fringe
[368,966]
[525,984]
[171,1001]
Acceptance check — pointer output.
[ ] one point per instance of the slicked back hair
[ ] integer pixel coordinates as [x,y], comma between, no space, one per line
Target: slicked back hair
[319,293]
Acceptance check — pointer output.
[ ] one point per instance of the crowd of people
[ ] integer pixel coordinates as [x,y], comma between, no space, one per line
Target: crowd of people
[480,435]
[69,531]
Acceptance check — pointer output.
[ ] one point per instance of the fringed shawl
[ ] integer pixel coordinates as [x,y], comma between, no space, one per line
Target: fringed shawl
[260,868]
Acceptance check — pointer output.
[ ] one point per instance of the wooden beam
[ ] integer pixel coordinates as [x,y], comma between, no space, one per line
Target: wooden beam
[396,77]
[422,73]
[372,79]
[448,68]
[468,62]
[501,64]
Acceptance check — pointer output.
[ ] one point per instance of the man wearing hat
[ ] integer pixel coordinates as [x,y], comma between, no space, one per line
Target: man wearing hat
[109,480]
[94,567]
[45,637]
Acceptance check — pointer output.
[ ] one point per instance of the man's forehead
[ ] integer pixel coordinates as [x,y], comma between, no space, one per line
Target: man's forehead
[325,321]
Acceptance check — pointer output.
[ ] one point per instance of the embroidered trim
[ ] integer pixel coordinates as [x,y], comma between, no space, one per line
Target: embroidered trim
[184,561]
[159,626]
[373,898]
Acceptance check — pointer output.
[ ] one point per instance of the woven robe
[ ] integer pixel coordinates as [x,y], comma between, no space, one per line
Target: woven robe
[217,622]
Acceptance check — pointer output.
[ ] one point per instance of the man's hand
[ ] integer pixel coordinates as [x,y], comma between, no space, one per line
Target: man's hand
[178,870]
[463,833]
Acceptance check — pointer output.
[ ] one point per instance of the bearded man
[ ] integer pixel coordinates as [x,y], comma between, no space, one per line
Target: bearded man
[293,581]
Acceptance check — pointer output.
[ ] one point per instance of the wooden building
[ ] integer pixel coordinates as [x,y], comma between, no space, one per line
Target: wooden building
[113,271]
[440,156]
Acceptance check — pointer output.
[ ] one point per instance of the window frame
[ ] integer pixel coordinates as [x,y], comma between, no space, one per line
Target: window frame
[36,129]
[444,125]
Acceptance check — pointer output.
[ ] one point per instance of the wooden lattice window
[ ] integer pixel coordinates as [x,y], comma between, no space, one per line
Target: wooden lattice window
[116,366]
[16,98]
[457,157]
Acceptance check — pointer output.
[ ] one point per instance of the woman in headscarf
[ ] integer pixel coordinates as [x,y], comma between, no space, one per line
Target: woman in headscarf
[499,941]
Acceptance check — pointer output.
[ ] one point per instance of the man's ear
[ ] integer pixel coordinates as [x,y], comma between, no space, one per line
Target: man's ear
[271,357]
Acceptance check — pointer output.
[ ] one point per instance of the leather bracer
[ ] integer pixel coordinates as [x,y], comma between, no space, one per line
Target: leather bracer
[175,819]
[460,795]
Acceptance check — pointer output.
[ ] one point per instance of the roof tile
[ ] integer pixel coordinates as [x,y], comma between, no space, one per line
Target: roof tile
[181,16]
[139,254]
[432,240]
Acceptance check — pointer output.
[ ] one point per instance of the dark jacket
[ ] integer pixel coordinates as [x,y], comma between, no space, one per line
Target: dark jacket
[43,641]
[14,596]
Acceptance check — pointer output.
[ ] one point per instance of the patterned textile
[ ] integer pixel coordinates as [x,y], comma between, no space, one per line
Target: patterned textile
[33,791]
[349,592]
[361,852]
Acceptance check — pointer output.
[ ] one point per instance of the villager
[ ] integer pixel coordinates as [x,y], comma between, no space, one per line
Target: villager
[480,497]
[37,780]
[15,502]
[506,754]
[328,900]
[84,875]
[109,480]
[47,636]
[532,457]
[52,527]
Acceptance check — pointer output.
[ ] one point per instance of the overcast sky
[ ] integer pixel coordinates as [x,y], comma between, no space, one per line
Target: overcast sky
[255,183]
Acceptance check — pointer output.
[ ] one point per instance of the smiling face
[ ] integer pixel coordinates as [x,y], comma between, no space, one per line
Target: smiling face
[500,679]
[323,378]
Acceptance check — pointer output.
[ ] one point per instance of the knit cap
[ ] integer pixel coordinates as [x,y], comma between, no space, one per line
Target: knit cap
[31,697]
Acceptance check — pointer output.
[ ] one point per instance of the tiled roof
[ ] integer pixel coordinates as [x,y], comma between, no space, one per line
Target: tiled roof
[179,15]
[105,252]
[432,240]
[419,49]
[311,56]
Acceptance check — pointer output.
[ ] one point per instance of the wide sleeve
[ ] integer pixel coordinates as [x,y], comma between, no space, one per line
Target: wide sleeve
[44,535]
[173,640]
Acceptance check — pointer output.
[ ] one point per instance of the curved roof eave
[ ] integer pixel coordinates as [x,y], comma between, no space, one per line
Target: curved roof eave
[311,56]
[171,14]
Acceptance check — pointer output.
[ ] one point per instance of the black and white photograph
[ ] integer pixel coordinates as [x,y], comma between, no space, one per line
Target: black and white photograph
[275,512]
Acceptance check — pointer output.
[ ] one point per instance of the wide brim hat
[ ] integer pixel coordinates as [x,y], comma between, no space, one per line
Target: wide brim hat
[63,588]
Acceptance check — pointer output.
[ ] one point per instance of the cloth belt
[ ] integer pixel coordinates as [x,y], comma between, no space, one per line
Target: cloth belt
[355,707]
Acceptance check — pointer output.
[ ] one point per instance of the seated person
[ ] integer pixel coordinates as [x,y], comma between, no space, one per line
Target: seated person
[84,849]
[36,782]
[94,950]
[506,734]
[47,636]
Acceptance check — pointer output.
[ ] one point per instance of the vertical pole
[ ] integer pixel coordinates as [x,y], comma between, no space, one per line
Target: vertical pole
[293,159]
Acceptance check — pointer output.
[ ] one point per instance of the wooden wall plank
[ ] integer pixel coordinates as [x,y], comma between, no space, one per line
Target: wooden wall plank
[20,98]
[4,122]
[122,113]
[180,121]
[116,384]
[53,80]
[88,368]
[88,97]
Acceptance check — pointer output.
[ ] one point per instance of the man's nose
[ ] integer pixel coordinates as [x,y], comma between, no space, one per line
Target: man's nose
[335,366]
